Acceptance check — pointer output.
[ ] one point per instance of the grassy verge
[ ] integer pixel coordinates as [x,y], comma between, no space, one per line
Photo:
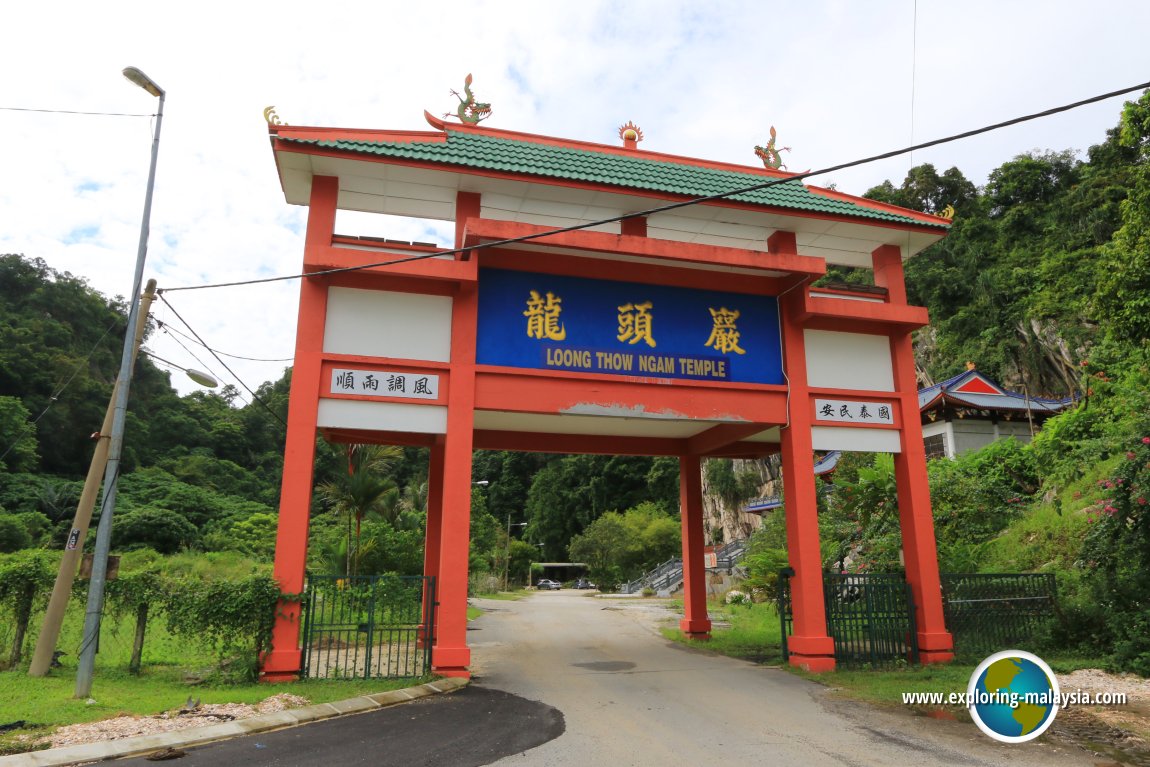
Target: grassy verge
[168,664]
[752,633]
[47,703]
[506,596]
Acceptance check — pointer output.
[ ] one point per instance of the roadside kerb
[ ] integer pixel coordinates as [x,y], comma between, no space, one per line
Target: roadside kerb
[197,736]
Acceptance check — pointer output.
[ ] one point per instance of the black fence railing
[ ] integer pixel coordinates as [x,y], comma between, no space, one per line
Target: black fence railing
[987,612]
[871,617]
[368,626]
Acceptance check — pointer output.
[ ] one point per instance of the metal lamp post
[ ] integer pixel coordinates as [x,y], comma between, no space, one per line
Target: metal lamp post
[507,549]
[87,662]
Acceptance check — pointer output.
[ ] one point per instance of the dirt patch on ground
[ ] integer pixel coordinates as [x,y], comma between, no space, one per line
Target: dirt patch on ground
[176,719]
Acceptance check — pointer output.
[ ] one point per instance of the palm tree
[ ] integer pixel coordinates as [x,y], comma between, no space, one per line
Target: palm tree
[365,490]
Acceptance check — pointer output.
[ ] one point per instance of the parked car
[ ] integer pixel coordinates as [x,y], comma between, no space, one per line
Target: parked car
[548,585]
[583,583]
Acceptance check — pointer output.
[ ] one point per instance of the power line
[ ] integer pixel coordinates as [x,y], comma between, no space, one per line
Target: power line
[169,329]
[255,396]
[684,203]
[74,112]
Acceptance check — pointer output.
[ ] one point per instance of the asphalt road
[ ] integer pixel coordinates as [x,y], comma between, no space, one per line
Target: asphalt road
[468,728]
[563,678]
[629,697]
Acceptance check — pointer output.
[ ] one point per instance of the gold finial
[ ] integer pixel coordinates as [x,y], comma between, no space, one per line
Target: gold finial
[947,212]
[631,134]
[271,116]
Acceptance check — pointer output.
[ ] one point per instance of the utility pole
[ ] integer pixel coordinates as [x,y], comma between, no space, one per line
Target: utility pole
[74,547]
[95,607]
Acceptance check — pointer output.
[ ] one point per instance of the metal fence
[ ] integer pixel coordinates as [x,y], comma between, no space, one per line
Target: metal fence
[990,612]
[871,617]
[368,626]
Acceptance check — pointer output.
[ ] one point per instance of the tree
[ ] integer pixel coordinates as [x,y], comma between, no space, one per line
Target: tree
[17,436]
[165,531]
[619,547]
[13,534]
[364,490]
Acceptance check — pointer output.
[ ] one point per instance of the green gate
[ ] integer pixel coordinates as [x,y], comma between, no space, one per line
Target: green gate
[870,618]
[368,626]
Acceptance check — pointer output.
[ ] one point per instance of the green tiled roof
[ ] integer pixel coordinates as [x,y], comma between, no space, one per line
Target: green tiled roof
[571,164]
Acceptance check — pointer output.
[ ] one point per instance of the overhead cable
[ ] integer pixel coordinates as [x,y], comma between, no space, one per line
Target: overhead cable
[681,204]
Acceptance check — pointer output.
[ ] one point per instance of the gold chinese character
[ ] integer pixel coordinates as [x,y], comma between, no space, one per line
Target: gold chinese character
[635,323]
[543,317]
[724,335]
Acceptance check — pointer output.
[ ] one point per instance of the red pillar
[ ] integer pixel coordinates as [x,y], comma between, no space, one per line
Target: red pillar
[431,540]
[283,662]
[695,622]
[809,645]
[920,550]
[451,656]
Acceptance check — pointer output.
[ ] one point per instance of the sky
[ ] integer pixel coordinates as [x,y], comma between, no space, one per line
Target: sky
[839,81]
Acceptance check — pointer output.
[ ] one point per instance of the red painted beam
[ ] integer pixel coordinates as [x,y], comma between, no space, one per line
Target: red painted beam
[719,437]
[582,444]
[480,230]
[391,263]
[547,262]
[860,316]
[370,437]
[582,394]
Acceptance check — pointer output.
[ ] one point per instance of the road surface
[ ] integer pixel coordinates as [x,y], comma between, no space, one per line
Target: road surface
[629,697]
[566,679]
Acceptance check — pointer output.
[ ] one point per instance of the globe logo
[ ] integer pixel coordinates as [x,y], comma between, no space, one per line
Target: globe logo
[1013,696]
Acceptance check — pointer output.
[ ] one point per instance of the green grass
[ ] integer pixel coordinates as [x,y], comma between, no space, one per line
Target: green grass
[46,703]
[507,596]
[750,632]
[168,661]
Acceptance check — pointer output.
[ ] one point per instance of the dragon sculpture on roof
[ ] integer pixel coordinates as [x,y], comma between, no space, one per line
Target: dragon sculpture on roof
[770,156]
[470,111]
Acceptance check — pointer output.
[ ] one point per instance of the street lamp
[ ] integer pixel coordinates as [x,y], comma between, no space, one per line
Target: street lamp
[199,376]
[507,549]
[87,662]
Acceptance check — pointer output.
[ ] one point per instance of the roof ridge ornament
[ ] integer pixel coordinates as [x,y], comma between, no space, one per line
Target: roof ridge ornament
[470,111]
[771,157]
[631,134]
[271,116]
[947,213]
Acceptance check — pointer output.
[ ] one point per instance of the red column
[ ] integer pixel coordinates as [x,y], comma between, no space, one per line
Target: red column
[451,656]
[920,550]
[695,622]
[810,647]
[283,662]
[431,540]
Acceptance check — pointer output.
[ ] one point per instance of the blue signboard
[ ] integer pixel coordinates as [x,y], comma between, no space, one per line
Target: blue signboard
[547,322]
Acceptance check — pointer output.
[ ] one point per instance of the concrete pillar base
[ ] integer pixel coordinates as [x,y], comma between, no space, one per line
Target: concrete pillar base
[816,664]
[696,629]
